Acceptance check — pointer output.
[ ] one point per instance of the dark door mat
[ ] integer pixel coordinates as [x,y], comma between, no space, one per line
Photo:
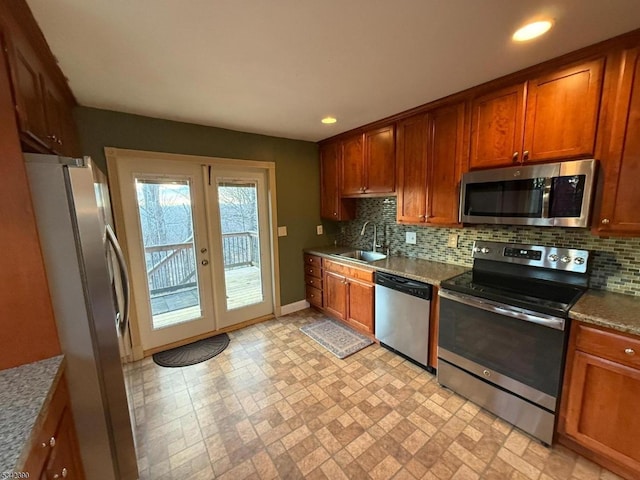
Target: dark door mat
[192,353]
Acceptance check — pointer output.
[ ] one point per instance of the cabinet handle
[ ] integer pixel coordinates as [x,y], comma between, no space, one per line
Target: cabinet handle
[514,157]
[629,351]
[311,260]
[64,473]
[605,221]
[205,262]
[525,155]
[52,442]
[335,214]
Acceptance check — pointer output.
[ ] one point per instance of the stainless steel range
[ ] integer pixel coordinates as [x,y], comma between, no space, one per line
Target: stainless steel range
[504,328]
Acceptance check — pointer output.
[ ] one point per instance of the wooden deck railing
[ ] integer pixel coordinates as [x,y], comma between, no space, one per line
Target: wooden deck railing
[172,266]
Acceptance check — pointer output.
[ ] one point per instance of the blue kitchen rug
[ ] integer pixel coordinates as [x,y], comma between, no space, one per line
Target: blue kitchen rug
[335,337]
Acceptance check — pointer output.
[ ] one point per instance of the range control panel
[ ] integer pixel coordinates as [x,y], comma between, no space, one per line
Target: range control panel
[557,258]
[522,253]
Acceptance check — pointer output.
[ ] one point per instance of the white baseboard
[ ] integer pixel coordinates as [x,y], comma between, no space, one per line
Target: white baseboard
[293,307]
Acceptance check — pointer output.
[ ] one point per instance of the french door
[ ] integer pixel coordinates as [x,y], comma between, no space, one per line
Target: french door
[168,247]
[198,239]
[238,209]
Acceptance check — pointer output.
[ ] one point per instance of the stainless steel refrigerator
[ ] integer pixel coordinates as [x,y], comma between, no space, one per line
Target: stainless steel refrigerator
[89,290]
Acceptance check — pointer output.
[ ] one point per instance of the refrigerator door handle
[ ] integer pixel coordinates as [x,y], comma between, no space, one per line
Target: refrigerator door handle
[123,318]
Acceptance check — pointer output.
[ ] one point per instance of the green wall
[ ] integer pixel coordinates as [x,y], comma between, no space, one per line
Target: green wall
[297,171]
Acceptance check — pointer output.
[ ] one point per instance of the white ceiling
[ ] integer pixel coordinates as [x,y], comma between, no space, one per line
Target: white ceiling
[277,66]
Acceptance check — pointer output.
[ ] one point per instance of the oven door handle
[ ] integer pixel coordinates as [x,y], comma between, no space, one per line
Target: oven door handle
[506,310]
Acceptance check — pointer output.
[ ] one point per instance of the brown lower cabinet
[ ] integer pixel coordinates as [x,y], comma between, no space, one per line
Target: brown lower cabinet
[342,291]
[55,453]
[601,392]
[349,295]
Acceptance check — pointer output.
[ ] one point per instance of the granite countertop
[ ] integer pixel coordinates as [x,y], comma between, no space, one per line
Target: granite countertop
[608,309]
[25,393]
[414,268]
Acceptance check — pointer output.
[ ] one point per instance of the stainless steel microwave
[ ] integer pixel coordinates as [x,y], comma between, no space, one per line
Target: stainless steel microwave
[548,195]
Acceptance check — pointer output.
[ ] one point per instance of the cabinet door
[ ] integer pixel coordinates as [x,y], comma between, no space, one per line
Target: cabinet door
[360,299]
[412,170]
[380,160]
[621,166]
[64,460]
[445,158]
[601,408]
[562,113]
[25,72]
[332,207]
[53,114]
[353,181]
[496,128]
[335,294]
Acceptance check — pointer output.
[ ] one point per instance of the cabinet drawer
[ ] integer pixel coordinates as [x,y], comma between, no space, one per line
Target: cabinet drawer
[42,441]
[314,296]
[312,271]
[313,260]
[349,271]
[314,282]
[613,346]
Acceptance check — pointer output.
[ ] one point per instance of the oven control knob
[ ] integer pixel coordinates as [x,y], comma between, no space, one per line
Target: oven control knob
[553,257]
[484,250]
[565,259]
[578,260]
[476,249]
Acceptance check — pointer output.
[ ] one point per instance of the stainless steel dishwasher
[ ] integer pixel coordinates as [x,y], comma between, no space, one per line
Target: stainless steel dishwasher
[402,316]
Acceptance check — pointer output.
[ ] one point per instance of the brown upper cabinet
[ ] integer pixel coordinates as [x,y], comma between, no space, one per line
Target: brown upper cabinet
[368,163]
[332,206]
[551,117]
[620,166]
[43,102]
[431,159]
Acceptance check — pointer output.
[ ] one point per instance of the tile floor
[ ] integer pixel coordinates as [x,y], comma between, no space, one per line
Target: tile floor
[275,404]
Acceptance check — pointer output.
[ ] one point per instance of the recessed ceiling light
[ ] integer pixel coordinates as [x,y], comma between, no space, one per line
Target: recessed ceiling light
[328,120]
[532,30]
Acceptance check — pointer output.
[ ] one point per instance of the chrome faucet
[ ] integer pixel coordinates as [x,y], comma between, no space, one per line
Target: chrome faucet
[375,234]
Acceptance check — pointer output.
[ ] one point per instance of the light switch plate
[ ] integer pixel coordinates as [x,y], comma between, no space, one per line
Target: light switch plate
[282,231]
[411,238]
[319,229]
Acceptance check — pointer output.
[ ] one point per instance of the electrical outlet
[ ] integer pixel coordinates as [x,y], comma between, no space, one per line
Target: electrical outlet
[452,242]
[411,238]
[282,231]
[319,229]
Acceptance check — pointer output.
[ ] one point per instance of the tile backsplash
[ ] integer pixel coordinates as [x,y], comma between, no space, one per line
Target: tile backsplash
[615,262]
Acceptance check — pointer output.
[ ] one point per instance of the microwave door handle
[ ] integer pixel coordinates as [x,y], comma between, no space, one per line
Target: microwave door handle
[123,320]
[546,197]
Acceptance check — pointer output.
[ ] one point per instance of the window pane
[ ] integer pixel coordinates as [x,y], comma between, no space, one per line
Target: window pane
[166,220]
[240,243]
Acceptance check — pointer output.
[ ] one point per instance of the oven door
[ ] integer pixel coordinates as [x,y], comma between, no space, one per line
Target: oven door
[516,349]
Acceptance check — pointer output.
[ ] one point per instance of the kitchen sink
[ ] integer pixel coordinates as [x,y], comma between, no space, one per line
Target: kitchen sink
[363,255]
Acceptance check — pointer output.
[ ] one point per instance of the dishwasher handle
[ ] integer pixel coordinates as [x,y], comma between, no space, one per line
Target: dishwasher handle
[404,285]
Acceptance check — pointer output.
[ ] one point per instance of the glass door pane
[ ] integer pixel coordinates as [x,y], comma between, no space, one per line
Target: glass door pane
[166,221]
[238,204]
